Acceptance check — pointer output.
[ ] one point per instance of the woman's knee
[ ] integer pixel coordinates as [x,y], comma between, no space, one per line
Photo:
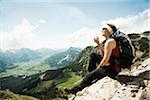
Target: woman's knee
[93,55]
[95,74]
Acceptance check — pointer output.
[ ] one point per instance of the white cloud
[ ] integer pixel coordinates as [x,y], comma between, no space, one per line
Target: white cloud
[20,37]
[84,37]
[42,21]
[129,24]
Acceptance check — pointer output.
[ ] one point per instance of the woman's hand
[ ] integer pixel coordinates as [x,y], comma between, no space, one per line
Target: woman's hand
[96,40]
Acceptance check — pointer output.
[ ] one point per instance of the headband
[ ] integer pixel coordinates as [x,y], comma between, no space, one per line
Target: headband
[108,28]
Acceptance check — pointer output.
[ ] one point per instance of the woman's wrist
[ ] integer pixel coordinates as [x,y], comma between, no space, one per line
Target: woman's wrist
[98,43]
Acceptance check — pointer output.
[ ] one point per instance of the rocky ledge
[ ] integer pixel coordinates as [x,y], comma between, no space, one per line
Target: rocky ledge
[131,85]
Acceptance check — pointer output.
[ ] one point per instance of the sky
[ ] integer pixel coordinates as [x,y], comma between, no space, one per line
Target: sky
[59,24]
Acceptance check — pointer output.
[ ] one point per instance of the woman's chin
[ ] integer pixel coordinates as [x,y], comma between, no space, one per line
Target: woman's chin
[103,35]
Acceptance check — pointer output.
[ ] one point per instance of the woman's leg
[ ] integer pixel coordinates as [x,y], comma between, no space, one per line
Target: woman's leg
[94,58]
[89,78]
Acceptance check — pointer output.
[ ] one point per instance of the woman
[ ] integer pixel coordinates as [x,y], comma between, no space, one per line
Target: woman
[107,66]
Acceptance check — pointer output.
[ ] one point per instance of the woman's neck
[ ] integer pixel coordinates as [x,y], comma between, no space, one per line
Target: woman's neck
[107,36]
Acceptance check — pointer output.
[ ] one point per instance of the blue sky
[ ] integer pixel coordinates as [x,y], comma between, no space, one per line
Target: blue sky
[55,24]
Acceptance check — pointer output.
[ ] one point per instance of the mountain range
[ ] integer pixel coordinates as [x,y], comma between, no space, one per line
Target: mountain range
[63,58]
[27,61]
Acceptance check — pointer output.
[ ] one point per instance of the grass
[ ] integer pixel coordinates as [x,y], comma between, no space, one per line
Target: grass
[69,80]
[42,86]
[8,95]
[25,69]
[22,97]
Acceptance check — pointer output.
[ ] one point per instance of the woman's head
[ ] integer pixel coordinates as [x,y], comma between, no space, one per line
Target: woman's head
[108,29]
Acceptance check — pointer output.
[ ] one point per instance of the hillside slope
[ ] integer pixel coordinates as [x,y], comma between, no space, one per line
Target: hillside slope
[8,95]
[63,58]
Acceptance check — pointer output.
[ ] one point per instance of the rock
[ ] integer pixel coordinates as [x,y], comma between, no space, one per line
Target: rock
[145,66]
[103,87]
[134,85]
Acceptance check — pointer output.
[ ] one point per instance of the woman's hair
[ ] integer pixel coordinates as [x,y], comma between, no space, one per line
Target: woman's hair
[113,27]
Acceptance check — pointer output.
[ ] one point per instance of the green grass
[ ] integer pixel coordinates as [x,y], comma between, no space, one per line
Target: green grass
[42,86]
[26,69]
[69,80]
[22,97]
[8,95]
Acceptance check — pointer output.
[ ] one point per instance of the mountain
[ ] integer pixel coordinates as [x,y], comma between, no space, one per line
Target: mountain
[45,52]
[63,58]
[35,65]
[25,54]
[21,55]
[2,65]
[146,33]
[10,57]
[45,86]
[141,44]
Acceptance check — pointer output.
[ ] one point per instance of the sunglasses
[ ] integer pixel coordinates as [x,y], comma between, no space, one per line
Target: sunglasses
[104,28]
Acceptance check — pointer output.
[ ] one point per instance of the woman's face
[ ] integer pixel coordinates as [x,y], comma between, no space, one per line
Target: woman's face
[105,32]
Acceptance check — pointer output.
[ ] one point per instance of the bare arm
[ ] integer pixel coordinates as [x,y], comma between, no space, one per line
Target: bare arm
[109,46]
[96,39]
[101,49]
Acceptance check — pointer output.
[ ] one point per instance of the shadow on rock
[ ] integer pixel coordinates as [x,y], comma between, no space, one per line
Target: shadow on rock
[134,80]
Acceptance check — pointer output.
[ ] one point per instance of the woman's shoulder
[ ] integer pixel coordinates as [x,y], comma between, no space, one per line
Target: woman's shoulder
[111,42]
